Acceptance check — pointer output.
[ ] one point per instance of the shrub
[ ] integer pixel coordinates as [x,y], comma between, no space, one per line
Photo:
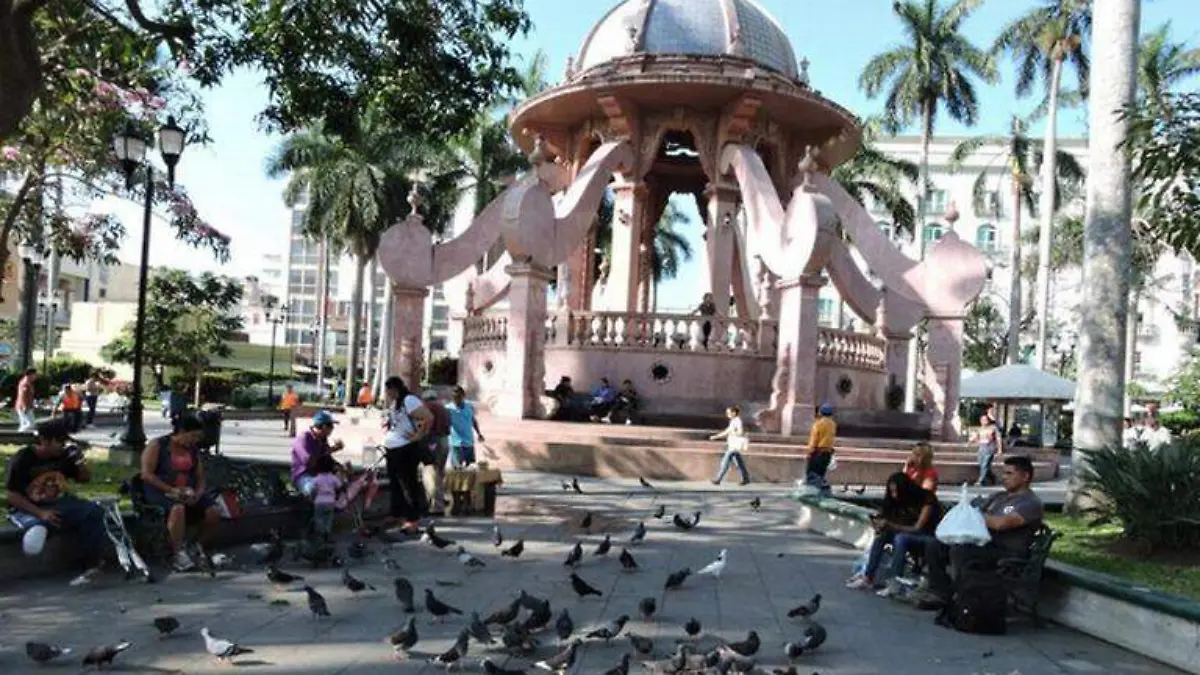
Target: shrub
[1154,494]
[1180,422]
[53,376]
[443,371]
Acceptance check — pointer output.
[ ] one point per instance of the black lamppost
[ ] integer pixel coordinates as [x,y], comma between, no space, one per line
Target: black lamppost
[276,316]
[31,258]
[131,150]
[49,305]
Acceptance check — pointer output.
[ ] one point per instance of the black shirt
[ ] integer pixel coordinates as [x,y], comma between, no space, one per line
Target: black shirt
[910,513]
[42,481]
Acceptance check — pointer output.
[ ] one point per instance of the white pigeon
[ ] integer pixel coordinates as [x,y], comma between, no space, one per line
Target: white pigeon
[468,560]
[716,567]
[222,649]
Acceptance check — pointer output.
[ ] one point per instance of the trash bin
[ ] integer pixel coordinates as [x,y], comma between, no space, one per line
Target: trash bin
[211,419]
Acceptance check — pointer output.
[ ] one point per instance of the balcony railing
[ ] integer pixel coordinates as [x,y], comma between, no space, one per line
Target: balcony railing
[850,349]
[666,332]
[484,332]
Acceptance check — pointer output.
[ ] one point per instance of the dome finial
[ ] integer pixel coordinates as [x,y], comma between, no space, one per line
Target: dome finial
[808,166]
[538,156]
[804,63]
[633,38]
[414,197]
[570,72]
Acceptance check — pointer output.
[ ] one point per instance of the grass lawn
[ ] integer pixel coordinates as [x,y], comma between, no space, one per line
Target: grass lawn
[106,478]
[1094,548]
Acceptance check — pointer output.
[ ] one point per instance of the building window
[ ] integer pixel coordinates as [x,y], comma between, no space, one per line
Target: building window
[440,312]
[932,232]
[985,237]
[935,202]
[825,311]
[988,205]
[102,293]
[437,344]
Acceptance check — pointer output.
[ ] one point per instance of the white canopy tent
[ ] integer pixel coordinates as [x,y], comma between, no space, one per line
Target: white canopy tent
[1018,384]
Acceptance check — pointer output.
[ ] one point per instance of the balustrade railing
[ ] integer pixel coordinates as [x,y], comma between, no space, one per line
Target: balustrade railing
[847,348]
[481,332]
[666,332]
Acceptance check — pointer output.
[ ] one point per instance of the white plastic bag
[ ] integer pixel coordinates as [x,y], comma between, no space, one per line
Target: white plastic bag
[963,524]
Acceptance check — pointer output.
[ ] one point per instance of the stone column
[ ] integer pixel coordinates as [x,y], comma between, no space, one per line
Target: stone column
[798,334]
[579,273]
[524,363]
[722,203]
[943,370]
[629,214]
[896,358]
[408,320]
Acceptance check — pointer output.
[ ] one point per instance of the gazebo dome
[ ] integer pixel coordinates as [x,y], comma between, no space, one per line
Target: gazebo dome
[704,27]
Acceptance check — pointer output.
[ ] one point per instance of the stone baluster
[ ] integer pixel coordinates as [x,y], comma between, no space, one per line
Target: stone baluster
[696,334]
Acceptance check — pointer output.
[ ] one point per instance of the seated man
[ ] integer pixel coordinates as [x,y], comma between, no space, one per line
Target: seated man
[310,445]
[627,401]
[173,479]
[604,397]
[36,493]
[563,393]
[1012,517]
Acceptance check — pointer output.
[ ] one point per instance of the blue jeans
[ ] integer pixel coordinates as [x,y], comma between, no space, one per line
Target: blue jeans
[815,469]
[985,458]
[732,457]
[83,519]
[462,455]
[904,542]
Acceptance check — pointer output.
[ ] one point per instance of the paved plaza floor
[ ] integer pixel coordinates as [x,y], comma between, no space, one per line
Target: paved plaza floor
[773,566]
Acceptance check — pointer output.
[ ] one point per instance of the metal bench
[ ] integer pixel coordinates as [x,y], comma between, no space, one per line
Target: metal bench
[1024,575]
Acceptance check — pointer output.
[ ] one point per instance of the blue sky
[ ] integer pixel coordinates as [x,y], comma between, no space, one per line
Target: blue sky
[227,182]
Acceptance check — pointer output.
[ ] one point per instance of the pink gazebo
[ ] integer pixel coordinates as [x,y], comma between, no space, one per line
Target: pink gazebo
[702,98]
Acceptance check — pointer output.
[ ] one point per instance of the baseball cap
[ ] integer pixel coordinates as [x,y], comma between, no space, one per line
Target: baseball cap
[55,429]
[323,417]
[826,409]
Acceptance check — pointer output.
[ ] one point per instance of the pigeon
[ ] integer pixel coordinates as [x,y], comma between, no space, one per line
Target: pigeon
[756,503]
[814,635]
[452,656]
[564,626]
[716,567]
[621,668]
[661,511]
[515,550]
[807,609]
[609,630]
[574,556]
[604,546]
[274,550]
[639,533]
[793,651]
[516,639]
[586,523]
[281,578]
[497,537]
[566,486]
[357,550]
[641,645]
[790,670]
[627,561]
[165,625]
[437,607]
[316,603]
[479,630]
[747,647]
[404,593]
[222,650]
[645,483]
[103,656]
[405,638]
[676,663]
[731,660]
[647,607]
[390,563]
[40,652]
[685,524]
[575,486]
[676,579]
[493,669]
[860,489]
[845,487]
[503,616]
[539,616]
[432,537]
[355,585]
[692,627]
[467,560]
[562,661]
[583,588]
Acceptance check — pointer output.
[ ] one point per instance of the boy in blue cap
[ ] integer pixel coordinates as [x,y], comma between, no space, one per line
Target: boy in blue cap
[820,443]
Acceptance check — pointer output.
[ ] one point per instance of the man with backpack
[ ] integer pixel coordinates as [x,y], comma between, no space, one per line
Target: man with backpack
[439,451]
[1012,517]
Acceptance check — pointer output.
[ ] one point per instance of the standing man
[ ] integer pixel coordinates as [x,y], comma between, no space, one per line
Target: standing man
[91,395]
[24,403]
[365,397]
[820,448]
[287,406]
[71,405]
[439,448]
[463,429]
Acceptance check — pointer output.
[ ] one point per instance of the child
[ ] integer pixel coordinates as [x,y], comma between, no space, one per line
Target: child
[326,485]
[736,442]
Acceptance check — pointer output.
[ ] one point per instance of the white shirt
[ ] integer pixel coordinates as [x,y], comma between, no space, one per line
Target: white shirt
[1157,438]
[401,423]
[1130,437]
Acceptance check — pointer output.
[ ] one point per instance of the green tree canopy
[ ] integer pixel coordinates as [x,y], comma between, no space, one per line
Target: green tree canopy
[871,172]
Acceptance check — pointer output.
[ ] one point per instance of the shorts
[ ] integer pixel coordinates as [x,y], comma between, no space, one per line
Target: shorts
[193,514]
[462,455]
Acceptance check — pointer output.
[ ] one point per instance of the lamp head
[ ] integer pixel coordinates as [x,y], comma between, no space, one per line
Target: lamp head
[130,148]
[170,144]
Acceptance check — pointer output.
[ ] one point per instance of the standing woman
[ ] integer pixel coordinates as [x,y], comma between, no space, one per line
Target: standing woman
[989,447]
[408,421]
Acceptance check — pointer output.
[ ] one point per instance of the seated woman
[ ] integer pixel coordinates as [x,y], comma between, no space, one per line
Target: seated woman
[907,521]
[919,467]
[173,479]
[627,402]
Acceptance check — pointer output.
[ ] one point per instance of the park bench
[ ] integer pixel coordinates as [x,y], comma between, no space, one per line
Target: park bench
[1024,575]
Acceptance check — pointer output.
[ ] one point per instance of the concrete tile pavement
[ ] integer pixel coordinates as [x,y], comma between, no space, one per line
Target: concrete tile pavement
[772,567]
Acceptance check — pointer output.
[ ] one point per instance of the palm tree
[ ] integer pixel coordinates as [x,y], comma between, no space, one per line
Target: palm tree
[1042,42]
[1106,237]
[356,187]
[934,70]
[1162,64]
[875,174]
[671,249]
[1018,155]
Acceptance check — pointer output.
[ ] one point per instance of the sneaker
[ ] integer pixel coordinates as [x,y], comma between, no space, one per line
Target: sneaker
[891,590]
[745,481]
[183,562]
[628,422]
[87,577]
[859,583]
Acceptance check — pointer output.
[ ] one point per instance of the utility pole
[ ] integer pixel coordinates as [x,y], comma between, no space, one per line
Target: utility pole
[322,311]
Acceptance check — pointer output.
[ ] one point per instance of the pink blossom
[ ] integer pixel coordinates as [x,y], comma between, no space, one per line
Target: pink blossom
[105,89]
[156,103]
[10,153]
[184,65]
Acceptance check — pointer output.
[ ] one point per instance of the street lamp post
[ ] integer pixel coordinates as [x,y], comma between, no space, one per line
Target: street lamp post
[131,148]
[276,317]
[49,305]
[32,259]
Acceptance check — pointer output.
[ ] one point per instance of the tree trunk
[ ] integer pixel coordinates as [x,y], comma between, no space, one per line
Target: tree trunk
[1046,213]
[20,63]
[356,300]
[322,313]
[199,380]
[1106,238]
[10,219]
[1131,329]
[1014,283]
[368,343]
[914,353]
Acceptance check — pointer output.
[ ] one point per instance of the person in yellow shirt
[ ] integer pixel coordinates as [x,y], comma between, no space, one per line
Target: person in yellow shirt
[287,405]
[365,397]
[820,448]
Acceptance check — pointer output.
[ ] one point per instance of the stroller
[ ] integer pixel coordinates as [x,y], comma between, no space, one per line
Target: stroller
[127,555]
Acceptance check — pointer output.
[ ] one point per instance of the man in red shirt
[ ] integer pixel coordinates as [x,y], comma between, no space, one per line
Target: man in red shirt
[24,405]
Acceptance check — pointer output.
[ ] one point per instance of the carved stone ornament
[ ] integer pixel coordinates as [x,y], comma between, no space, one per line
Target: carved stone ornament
[808,166]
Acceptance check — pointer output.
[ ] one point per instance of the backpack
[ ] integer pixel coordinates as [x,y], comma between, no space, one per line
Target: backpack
[441,419]
[980,603]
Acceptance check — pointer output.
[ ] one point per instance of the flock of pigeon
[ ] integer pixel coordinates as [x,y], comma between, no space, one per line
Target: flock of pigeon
[516,625]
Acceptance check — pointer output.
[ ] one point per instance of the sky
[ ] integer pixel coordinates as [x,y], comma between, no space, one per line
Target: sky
[227,182]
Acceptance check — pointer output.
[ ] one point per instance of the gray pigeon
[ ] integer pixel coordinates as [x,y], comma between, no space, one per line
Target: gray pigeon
[692,627]
[575,555]
[165,625]
[103,656]
[747,647]
[517,640]
[467,560]
[497,537]
[647,607]
[562,661]
[222,650]
[793,651]
[479,630]
[642,645]
[676,579]
[316,603]
[452,656]
[814,635]
[504,616]
[621,668]
[355,585]
[733,661]
[491,668]
[404,593]
[611,629]
[405,638]
[627,562]
[437,607]
[807,609]
[563,626]
[639,533]
[604,546]
[43,653]
[539,616]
